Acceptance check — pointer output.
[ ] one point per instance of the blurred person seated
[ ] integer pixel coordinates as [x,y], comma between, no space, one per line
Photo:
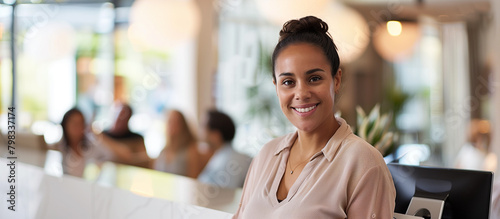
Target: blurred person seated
[180,154]
[476,154]
[79,147]
[226,167]
[120,136]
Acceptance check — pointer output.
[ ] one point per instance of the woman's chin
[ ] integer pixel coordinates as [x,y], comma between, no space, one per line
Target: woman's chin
[305,127]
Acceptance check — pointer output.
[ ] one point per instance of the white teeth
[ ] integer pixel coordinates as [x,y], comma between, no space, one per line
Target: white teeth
[305,110]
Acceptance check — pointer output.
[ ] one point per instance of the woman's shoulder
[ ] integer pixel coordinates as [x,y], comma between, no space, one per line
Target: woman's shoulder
[356,146]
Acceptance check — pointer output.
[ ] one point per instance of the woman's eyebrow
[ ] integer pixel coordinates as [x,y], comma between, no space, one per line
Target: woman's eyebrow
[307,72]
[285,74]
[314,70]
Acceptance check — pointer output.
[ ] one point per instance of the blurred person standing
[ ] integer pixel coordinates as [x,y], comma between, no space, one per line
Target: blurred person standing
[226,167]
[180,154]
[120,135]
[476,153]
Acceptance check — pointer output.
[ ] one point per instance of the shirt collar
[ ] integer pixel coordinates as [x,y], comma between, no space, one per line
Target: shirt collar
[331,147]
[287,142]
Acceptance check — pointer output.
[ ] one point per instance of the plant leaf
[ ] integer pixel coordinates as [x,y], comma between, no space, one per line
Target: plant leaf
[363,128]
[374,129]
[375,113]
[361,115]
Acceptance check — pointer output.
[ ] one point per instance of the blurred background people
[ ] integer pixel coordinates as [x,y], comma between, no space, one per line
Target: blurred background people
[180,154]
[79,147]
[120,135]
[476,153]
[226,167]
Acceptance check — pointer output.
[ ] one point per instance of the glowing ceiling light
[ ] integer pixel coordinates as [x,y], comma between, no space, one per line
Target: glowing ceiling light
[394,28]
[396,48]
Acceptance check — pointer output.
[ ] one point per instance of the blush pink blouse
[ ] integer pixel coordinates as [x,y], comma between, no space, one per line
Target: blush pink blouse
[348,178]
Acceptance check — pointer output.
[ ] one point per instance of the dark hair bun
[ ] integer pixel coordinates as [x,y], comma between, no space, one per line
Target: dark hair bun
[310,30]
[305,24]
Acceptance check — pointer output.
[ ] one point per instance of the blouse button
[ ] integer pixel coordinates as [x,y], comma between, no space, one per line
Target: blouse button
[373,215]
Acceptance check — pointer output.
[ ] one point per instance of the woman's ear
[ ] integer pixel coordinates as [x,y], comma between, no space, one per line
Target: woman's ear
[275,87]
[337,80]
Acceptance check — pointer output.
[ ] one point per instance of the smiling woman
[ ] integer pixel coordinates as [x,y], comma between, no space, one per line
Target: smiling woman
[306,87]
[322,170]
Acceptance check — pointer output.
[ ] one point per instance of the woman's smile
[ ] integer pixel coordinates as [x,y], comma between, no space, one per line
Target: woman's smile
[305,110]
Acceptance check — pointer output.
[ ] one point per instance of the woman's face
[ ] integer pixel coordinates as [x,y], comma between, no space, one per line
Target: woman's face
[305,87]
[173,124]
[75,128]
[121,122]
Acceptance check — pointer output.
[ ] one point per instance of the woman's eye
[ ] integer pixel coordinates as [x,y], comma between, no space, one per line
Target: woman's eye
[287,82]
[315,78]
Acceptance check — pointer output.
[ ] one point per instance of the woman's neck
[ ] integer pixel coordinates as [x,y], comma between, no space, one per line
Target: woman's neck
[309,143]
[74,143]
[76,146]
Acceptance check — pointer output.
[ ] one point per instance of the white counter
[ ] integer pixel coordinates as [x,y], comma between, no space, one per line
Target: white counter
[120,191]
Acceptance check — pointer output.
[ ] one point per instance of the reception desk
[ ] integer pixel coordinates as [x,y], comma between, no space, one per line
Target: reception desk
[111,191]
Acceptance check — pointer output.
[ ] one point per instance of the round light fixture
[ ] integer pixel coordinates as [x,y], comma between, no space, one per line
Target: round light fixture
[394,28]
[392,46]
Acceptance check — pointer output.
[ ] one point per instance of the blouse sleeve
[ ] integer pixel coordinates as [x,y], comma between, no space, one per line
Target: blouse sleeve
[374,195]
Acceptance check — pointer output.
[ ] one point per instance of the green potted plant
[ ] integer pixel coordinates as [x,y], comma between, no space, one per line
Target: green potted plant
[375,129]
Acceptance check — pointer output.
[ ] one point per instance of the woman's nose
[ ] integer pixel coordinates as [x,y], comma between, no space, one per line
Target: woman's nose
[302,92]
